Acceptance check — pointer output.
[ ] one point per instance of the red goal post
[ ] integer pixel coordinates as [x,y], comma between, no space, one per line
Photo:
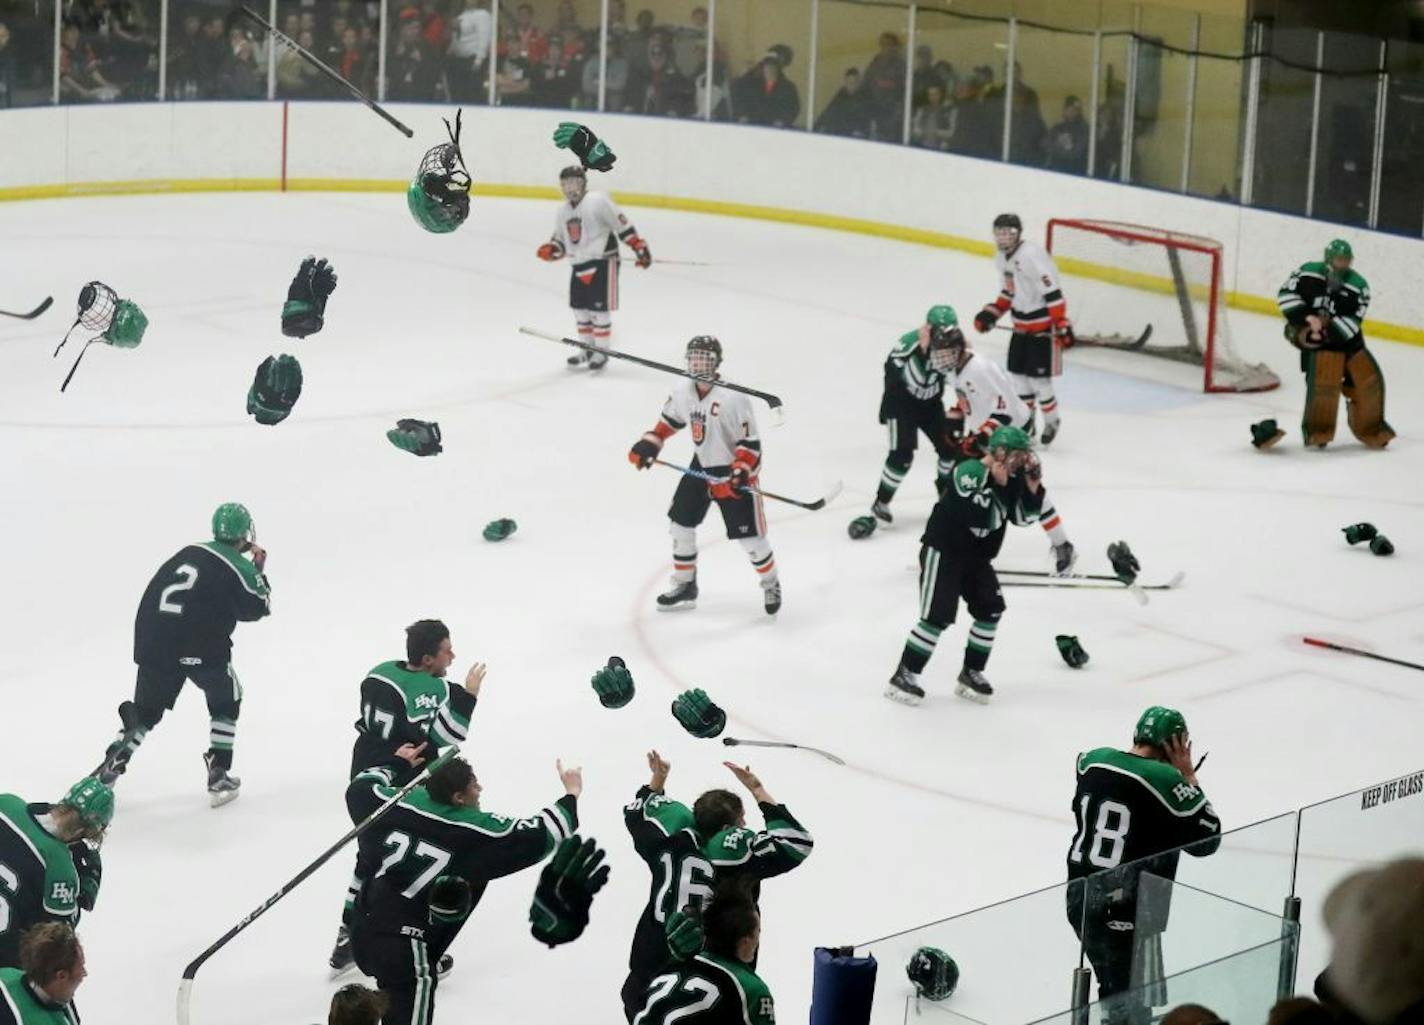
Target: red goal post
[1133,274]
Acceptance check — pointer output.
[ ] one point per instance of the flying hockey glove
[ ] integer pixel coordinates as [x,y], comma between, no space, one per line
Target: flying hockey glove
[451,900]
[305,308]
[613,684]
[592,152]
[684,934]
[551,251]
[1063,334]
[275,389]
[419,436]
[565,892]
[698,714]
[1357,532]
[645,450]
[1124,563]
[90,869]
[986,318]
[641,251]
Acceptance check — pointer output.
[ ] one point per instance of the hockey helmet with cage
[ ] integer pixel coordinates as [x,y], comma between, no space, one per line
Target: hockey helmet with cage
[1338,249]
[573,182]
[933,973]
[704,356]
[1008,231]
[233,523]
[1010,439]
[439,194]
[947,344]
[1158,725]
[93,802]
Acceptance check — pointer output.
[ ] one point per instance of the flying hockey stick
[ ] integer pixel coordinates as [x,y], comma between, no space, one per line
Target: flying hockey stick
[1101,341]
[734,742]
[185,987]
[321,66]
[771,400]
[1317,642]
[1176,581]
[49,300]
[820,503]
[1067,582]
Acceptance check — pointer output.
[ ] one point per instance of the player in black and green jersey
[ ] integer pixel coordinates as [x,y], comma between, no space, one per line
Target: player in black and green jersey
[426,865]
[183,631]
[409,706]
[961,540]
[1134,809]
[1324,305]
[689,851]
[913,402]
[41,990]
[720,985]
[49,860]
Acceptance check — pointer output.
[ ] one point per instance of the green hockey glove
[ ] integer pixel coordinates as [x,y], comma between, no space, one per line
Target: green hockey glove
[565,892]
[275,389]
[592,152]
[498,530]
[1124,563]
[90,869]
[613,684]
[1357,532]
[684,934]
[698,714]
[1071,651]
[305,309]
[419,436]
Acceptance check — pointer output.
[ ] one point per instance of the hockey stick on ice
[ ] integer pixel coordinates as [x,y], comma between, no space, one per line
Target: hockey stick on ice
[1358,651]
[734,742]
[326,70]
[185,988]
[1092,585]
[49,300]
[1176,581]
[820,503]
[1101,341]
[771,400]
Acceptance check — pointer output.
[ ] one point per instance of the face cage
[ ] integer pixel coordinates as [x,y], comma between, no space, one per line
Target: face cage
[1337,268]
[701,363]
[944,357]
[574,189]
[1013,460]
[1006,238]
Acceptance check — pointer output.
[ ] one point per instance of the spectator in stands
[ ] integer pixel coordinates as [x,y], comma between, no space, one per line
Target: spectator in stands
[79,75]
[618,20]
[514,81]
[848,113]
[617,72]
[526,39]
[1108,160]
[356,1005]
[1191,1014]
[638,42]
[689,44]
[8,75]
[932,125]
[240,78]
[1067,141]
[925,74]
[432,26]
[660,89]
[765,96]
[295,76]
[555,78]
[721,98]
[412,69]
[292,25]
[306,22]
[567,26]
[1375,918]
[1026,141]
[469,51]
[976,132]
[885,87]
[356,65]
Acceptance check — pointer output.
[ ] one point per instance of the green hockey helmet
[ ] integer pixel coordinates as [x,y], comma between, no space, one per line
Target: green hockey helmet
[942,316]
[1338,249]
[93,802]
[933,973]
[1158,725]
[439,194]
[232,523]
[1010,439]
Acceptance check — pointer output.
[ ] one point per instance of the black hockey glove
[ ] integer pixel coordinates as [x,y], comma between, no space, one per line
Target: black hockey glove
[1071,650]
[986,318]
[90,869]
[613,684]
[451,899]
[419,436]
[565,892]
[305,308]
[1124,563]
[592,152]
[275,389]
[698,714]
[645,450]
[684,934]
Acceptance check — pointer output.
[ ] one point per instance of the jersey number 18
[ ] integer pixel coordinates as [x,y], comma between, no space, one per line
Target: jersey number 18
[1106,837]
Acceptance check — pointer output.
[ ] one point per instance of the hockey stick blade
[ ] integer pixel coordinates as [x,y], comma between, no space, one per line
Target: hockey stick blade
[1112,341]
[819,503]
[1318,643]
[734,742]
[771,400]
[325,69]
[49,301]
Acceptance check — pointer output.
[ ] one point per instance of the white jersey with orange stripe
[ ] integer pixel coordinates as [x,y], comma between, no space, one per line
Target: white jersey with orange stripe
[1030,287]
[724,429]
[591,230]
[987,397]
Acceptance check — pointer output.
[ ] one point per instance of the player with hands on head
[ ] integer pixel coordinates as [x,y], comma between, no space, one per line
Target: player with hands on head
[727,446]
[1134,810]
[40,991]
[183,632]
[1030,291]
[587,230]
[304,312]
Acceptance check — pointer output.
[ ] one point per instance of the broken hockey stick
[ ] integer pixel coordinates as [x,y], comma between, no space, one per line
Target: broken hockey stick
[185,987]
[771,400]
[734,742]
[1317,642]
[325,69]
[49,300]
[1100,341]
[820,503]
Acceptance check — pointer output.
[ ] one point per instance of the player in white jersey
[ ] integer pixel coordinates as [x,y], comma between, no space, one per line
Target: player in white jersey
[587,230]
[1030,289]
[726,447]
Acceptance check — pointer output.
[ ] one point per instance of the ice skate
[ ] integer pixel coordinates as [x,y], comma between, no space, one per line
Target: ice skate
[881,511]
[1050,431]
[771,595]
[342,959]
[597,360]
[904,688]
[116,756]
[578,359]
[682,595]
[222,785]
[974,686]
[444,966]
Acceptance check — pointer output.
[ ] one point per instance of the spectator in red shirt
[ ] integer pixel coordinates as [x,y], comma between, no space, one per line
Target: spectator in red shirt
[528,42]
[79,75]
[767,96]
[567,26]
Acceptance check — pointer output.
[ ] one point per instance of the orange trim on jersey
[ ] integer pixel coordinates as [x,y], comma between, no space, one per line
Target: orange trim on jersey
[770,565]
[663,430]
[684,565]
[1049,524]
[1036,326]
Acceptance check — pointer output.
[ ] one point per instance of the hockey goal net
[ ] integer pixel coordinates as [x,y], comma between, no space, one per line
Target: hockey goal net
[1152,291]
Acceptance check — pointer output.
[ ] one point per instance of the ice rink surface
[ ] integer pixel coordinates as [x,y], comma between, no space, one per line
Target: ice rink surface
[941,808]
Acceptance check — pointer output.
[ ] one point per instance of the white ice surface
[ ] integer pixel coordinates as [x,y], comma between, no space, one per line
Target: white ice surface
[940,809]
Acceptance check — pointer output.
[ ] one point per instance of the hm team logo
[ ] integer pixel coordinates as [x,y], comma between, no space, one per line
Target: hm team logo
[63,893]
[427,701]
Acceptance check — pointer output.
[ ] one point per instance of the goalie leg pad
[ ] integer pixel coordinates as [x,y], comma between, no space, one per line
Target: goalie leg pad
[1364,400]
[1324,376]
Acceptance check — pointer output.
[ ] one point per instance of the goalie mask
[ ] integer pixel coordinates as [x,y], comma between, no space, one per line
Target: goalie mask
[704,356]
[439,194]
[573,182]
[1008,230]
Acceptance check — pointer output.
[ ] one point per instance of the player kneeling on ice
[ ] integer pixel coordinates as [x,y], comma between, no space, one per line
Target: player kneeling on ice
[964,534]
[587,230]
[1324,305]
[727,446]
[426,865]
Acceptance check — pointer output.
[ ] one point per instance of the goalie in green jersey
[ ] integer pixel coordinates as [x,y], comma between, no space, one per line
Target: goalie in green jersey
[41,990]
[1324,304]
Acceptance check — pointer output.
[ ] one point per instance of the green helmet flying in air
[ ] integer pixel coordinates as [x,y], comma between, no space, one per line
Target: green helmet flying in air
[232,523]
[1158,725]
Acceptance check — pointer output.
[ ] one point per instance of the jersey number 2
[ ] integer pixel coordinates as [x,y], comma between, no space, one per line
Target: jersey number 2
[189,575]
[1109,832]
[663,986]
